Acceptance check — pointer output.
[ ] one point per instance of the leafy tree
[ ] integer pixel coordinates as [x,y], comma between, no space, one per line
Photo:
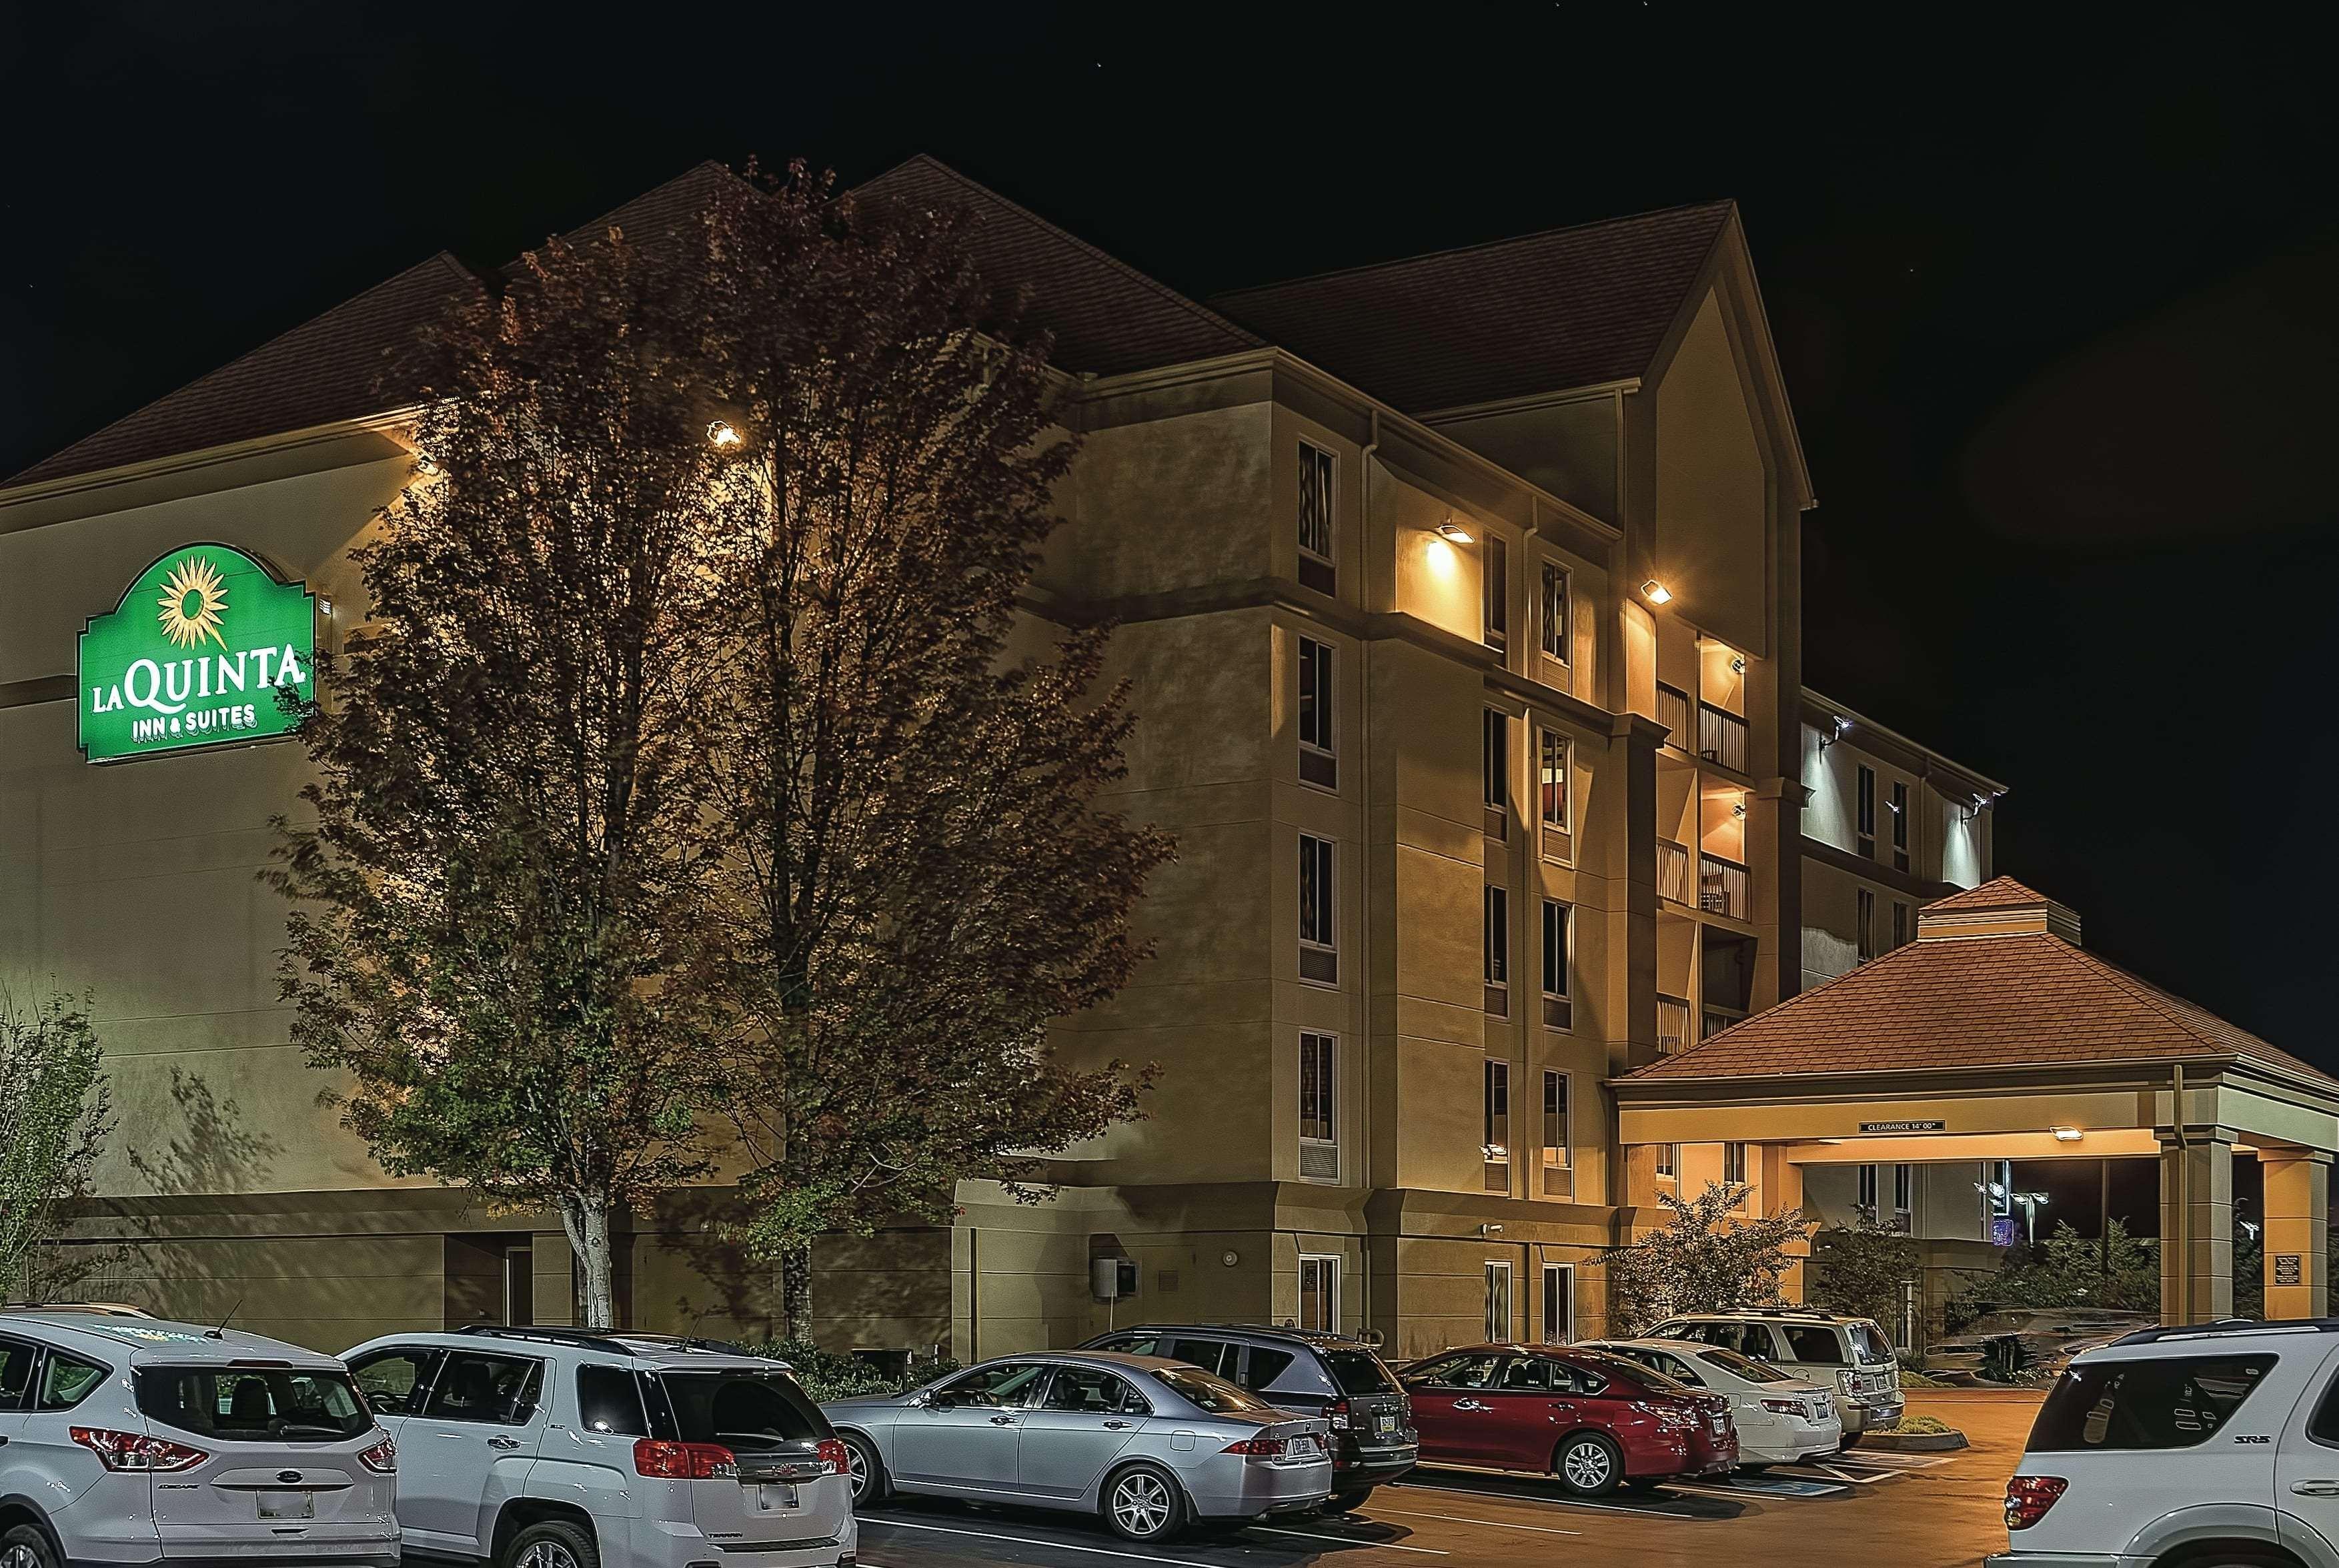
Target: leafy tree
[2119,1272]
[1863,1269]
[496,917]
[54,1121]
[918,880]
[1709,1259]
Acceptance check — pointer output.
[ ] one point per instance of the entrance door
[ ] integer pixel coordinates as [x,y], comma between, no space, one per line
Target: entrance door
[1498,1304]
[1558,1303]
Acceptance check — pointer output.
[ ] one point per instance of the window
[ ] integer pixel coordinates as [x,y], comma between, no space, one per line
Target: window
[1008,1385]
[1868,811]
[1551,780]
[1557,1011]
[1499,1127]
[1467,1369]
[1900,825]
[1211,1396]
[1090,1390]
[1867,1198]
[498,1389]
[1899,924]
[1317,959]
[16,1358]
[1316,558]
[607,1401]
[1216,1355]
[1558,1303]
[1261,1366]
[268,1404]
[1532,1373]
[1495,760]
[396,1382]
[65,1381]
[2180,1402]
[1497,583]
[1319,1155]
[1498,1303]
[1318,764]
[1865,937]
[1554,621]
[1497,941]
[1668,1161]
[1558,1159]
[1319,1293]
[1904,1194]
[1813,1343]
[1733,1163]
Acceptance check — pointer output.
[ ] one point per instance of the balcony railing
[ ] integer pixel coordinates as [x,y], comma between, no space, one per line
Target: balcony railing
[1716,1020]
[1721,737]
[1722,886]
[1673,871]
[1673,1023]
[1672,712]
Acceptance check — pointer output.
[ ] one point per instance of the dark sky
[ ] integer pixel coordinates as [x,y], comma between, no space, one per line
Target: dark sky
[2056,297]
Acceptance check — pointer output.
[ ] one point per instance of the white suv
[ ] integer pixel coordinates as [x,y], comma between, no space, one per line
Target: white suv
[127,1439]
[1848,1353]
[571,1448]
[2209,1447]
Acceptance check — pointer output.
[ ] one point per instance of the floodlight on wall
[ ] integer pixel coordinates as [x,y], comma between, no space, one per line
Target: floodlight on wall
[1837,729]
[1656,593]
[1453,532]
[721,435]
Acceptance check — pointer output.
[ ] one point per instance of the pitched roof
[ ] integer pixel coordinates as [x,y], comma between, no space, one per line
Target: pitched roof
[2027,999]
[1998,893]
[344,364]
[1541,313]
[1107,317]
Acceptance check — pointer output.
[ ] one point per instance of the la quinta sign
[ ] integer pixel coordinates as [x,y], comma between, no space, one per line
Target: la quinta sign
[195,654]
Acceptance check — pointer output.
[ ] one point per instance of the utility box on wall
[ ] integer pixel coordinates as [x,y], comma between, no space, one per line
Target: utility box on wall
[1113,1279]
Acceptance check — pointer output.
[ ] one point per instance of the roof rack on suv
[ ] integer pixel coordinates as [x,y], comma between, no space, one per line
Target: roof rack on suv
[92,1308]
[612,1341]
[2227,1326]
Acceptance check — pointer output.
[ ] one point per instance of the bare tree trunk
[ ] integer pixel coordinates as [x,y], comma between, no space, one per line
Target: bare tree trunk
[586,1220]
[795,1293]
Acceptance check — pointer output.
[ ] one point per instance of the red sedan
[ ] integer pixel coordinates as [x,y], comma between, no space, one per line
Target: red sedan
[1593,1420]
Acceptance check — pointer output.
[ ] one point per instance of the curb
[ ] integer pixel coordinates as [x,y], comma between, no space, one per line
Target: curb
[1913,1442]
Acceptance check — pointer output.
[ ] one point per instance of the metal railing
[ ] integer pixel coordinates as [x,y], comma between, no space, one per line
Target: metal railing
[1673,1023]
[1672,712]
[1721,737]
[1716,1020]
[1722,886]
[1673,871]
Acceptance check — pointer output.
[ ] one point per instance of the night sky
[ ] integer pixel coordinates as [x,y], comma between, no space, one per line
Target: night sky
[2057,308]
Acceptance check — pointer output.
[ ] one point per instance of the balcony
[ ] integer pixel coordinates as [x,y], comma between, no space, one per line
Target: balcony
[1672,712]
[1673,871]
[1721,737]
[1722,887]
[1673,1023]
[1717,1019]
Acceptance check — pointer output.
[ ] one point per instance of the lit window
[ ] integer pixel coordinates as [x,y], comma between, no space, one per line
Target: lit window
[1554,611]
[1551,779]
[1317,1087]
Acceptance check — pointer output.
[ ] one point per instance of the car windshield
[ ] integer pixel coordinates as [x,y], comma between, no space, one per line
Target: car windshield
[272,1404]
[1744,1366]
[1359,1372]
[1207,1391]
[744,1409]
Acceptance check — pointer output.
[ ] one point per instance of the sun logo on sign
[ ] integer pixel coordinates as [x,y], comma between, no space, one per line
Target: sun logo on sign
[192,597]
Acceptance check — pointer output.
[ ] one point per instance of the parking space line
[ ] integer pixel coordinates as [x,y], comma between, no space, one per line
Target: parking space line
[1543,1502]
[1348,1541]
[867,1519]
[1491,1524]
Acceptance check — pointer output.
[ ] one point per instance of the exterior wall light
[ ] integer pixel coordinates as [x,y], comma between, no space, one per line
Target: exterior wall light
[720,434]
[424,465]
[1656,593]
[1738,810]
[1453,532]
[1738,663]
[2068,1135]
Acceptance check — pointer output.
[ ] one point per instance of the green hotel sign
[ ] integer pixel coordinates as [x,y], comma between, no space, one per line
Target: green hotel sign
[195,654]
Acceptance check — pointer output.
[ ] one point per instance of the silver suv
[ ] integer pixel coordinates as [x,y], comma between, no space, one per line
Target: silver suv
[566,1447]
[129,1439]
[1850,1354]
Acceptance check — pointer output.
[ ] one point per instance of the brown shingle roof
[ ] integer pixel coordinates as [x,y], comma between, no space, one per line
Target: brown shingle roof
[2024,1000]
[1542,313]
[1107,317]
[344,364]
[1998,893]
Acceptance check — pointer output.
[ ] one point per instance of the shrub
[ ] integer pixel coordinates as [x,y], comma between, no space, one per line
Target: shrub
[827,1376]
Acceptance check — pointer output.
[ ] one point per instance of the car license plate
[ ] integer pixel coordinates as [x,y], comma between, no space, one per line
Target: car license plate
[288,1504]
[1384,1424]
[1720,1425]
[774,1494]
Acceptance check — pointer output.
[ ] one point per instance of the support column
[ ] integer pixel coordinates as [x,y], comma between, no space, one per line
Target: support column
[2297,1231]
[1781,1192]
[2196,1228]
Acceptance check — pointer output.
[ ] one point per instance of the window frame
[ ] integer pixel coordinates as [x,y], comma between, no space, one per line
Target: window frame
[1495,760]
[1320,1079]
[1900,925]
[1495,1083]
[1565,1273]
[1668,1161]
[1900,808]
[1495,593]
[1315,461]
[1316,689]
[1864,811]
[1328,1267]
[1499,1268]
[1558,1001]
[1864,923]
[1734,1152]
[1494,940]
[1565,1147]
[1553,805]
[1320,857]
[1904,1192]
[1555,647]
[526,1400]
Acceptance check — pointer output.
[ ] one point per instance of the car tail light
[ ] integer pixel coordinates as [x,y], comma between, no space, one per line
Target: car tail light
[1787,1407]
[836,1459]
[670,1461]
[1259,1447]
[1670,1416]
[381,1458]
[135,1450]
[1337,1412]
[2028,1498]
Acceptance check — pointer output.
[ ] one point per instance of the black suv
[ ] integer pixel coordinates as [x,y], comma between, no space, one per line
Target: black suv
[1309,1372]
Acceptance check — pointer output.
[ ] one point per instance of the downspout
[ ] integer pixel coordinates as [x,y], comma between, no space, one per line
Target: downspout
[1365,861]
[2184,1207]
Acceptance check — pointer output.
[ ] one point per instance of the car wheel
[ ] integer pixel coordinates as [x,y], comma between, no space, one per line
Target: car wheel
[1347,1502]
[869,1487]
[1589,1465]
[1144,1504]
[25,1547]
[1850,1441]
[552,1544]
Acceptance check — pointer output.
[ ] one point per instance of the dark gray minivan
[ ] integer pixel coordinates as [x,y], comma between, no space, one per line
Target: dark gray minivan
[1307,1371]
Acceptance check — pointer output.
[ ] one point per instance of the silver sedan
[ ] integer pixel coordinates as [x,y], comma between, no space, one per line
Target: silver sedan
[1150,1444]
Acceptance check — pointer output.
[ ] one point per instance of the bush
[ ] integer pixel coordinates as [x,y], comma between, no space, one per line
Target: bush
[827,1376]
[1919,1426]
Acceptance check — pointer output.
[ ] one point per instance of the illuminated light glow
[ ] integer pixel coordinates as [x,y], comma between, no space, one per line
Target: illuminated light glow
[2068,1135]
[1454,531]
[720,434]
[1656,593]
[1442,559]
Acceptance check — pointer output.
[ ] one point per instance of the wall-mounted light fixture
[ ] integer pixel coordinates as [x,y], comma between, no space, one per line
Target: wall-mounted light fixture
[721,435]
[2068,1135]
[1836,730]
[325,602]
[1453,532]
[1738,663]
[1738,810]
[1656,593]
[1492,1227]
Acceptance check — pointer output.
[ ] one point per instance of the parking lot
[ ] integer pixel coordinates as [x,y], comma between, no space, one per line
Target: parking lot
[1921,1511]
